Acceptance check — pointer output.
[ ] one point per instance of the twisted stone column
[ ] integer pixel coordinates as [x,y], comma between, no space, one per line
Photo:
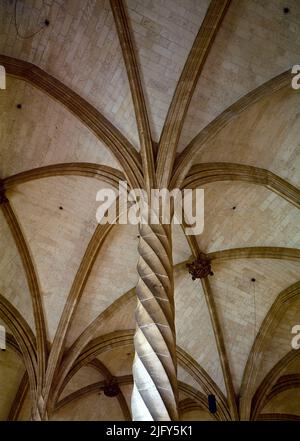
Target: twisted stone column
[40,413]
[154,396]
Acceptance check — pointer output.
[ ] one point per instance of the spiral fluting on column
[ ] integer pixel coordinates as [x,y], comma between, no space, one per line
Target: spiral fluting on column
[40,412]
[154,394]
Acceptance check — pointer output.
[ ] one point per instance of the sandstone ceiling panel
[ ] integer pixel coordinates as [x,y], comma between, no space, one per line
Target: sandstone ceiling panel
[119,315]
[85,376]
[13,283]
[118,360]
[194,410]
[164,32]
[293,368]
[182,395]
[185,377]
[279,343]
[57,236]
[127,391]
[286,402]
[256,42]
[266,135]
[25,412]
[243,304]
[181,249]
[11,372]
[260,218]
[193,325]
[94,407]
[113,274]
[42,132]
[196,415]
[80,48]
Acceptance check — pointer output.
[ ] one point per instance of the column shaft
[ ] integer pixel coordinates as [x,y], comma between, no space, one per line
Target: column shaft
[154,394]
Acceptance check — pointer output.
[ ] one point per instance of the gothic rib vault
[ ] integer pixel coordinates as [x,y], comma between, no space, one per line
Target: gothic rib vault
[192,94]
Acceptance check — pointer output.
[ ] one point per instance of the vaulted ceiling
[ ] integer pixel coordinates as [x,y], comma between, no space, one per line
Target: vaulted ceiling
[67,284]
